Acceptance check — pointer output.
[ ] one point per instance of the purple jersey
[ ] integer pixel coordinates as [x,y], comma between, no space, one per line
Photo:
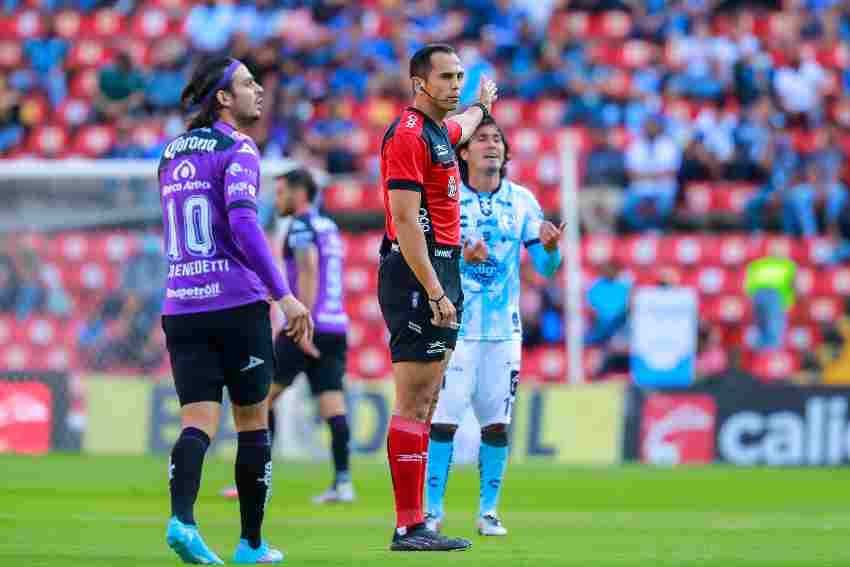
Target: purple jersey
[204,176]
[312,229]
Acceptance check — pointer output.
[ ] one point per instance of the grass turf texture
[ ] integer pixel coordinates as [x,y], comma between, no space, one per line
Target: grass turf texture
[60,511]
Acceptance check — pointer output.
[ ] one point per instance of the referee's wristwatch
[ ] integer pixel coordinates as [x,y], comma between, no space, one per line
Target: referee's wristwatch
[483,109]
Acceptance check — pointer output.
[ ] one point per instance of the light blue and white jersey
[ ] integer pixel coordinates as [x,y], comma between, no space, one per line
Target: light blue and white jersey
[504,219]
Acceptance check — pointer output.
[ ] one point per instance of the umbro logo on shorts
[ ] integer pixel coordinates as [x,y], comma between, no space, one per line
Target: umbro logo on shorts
[253,362]
[436,347]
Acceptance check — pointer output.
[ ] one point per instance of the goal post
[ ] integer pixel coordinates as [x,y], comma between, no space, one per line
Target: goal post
[572,276]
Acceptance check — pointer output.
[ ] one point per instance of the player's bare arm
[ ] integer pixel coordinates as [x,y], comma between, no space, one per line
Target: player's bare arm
[472,117]
[404,206]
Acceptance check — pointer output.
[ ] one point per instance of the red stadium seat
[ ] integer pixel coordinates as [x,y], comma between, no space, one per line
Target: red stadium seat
[87,53]
[115,247]
[816,250]
[153,23]
[344,196]
[148,134]
[94,141]
[48,140]
[11,54]
[84,84]
[371,362]
[508,113]
[357,279]
[68,23]
[598,250]
[106,23]
[638,250]
[774,366]
[34,110]
[525,142]
[549,113]
[26,24]
[73,111]
[17,357]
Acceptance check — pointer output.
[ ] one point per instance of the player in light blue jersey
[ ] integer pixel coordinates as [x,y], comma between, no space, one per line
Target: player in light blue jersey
[497,219]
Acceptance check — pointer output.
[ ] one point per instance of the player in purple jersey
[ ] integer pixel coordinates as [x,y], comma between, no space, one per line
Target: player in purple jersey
[221,278]
[313,256]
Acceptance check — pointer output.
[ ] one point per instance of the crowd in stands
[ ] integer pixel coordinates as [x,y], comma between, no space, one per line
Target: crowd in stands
[664,94]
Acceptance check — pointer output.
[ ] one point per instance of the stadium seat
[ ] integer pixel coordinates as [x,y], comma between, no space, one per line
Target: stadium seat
[370,362]
[17,357]
[48,140]
[88,53]
[26,24]
[73,111]
[94,141]
[11,54]
[508,113]
[105,23]
[773,366]
[68,24]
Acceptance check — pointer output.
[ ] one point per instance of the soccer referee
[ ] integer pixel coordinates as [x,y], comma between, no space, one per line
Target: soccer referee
[419,287]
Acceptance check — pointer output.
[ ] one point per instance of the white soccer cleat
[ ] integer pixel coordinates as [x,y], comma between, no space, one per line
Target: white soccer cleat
[433,523]
[489,524]
[342,493]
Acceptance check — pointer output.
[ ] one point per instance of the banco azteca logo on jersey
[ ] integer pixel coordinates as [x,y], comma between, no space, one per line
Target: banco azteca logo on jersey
[185,170]
[486,272]
[452,187]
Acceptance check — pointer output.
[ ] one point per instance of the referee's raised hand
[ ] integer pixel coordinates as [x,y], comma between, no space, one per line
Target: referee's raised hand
[299,322]
[488,92]
[443,310]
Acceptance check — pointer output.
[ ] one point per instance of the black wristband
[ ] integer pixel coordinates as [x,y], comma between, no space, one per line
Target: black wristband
[439,299]
[484,110]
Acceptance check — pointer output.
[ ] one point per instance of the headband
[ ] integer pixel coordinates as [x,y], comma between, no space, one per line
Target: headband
[223,82]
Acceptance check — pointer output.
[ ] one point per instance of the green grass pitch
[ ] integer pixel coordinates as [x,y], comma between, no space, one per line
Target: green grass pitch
[62,511]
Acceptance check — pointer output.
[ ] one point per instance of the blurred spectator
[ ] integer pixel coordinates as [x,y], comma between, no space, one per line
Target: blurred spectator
[833,356]
[781,159]
[751,139]
[712,358]
[330,137]
[608,298]
[652,162]
[815,193]
[604,180]
[121,333]
[11,129]
[166,78]
[210,25]
[121,87]
[799,88]
[770,285]
[47,57]
[258,20]
[698,163]
[8,279]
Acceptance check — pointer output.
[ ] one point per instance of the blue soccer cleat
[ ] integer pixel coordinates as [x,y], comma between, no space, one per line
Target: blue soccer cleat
[264,554]
[186,542]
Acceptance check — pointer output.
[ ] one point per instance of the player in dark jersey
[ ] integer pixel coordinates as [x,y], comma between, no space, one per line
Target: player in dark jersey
[313,256]
[419,277]
[221,278]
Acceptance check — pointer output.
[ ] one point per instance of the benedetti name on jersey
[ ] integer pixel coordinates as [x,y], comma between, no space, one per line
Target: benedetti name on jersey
[198,267]
[190,143]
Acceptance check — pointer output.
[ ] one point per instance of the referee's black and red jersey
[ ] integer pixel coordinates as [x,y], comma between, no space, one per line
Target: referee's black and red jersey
[417,154]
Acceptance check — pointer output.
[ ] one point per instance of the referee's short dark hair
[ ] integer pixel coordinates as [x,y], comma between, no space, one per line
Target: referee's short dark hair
[301,178]
[420,63]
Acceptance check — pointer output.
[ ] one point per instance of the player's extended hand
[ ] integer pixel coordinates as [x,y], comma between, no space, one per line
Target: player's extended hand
[309,348]
[550,235]
[488,92]
[299,322]
[444,312]
[475,253]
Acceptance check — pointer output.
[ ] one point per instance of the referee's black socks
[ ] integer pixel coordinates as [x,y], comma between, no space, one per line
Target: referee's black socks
[253,481]
[184,472]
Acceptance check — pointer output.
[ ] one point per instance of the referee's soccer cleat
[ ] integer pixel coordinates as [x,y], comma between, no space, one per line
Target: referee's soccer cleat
[489,524]
[186,542]
[433,522]
[339,493]
[264,554]
[420,538]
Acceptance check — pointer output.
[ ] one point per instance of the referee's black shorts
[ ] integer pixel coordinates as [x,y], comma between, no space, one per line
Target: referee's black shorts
[216,349]
[406,310]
